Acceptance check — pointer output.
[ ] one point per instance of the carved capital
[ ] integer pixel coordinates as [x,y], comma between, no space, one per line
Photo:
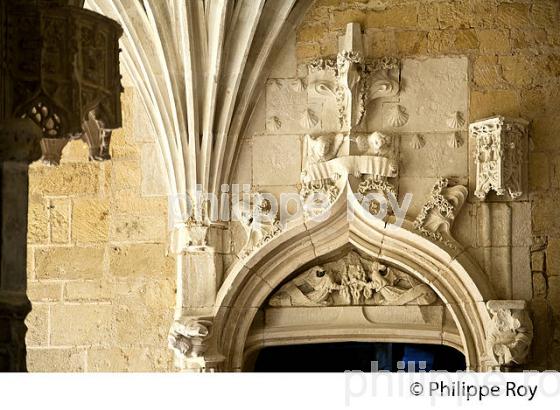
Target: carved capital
[510,331]
[500,156]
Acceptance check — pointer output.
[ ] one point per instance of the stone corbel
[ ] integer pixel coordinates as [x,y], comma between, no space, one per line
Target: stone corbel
[438,214]
[510,331]
[189,338]
[500,156]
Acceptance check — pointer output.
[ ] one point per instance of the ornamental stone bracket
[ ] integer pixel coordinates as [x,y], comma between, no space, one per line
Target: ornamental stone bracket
[63,75]
[501,156]
[510,331]
[190,339]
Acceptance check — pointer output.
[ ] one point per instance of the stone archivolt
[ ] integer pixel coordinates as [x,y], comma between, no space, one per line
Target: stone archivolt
[353,280]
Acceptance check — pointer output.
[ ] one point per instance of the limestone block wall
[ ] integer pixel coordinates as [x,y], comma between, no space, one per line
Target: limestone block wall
[101,285]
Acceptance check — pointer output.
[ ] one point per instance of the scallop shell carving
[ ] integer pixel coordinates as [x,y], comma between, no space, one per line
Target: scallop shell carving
[309,119]
[397,116]
[417,141]
[455,140]
[456,120]
[274,123]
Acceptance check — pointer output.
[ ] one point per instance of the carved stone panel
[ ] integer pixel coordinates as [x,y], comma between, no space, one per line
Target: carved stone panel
[500,156]
[353,280]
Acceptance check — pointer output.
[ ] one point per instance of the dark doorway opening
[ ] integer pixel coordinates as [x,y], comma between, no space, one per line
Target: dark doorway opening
[339,357]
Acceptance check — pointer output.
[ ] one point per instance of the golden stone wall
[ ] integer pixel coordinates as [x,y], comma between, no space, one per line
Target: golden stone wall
[102,288]
[514,56]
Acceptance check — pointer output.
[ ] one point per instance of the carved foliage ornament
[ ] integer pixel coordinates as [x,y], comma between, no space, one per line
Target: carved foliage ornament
[353,280]
[500,155]
[438,213]
[511,331]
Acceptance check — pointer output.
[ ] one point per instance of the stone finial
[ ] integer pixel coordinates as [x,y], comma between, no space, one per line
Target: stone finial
[510,332]
[500,155]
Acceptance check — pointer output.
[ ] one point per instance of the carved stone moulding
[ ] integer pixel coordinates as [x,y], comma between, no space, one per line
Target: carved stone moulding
[500,155]
[63,75]
[510,332]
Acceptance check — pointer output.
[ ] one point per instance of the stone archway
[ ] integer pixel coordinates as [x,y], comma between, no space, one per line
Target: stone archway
[458,282]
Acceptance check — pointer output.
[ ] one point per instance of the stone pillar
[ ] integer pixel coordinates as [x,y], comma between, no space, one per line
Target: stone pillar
[199,276]
[19,145]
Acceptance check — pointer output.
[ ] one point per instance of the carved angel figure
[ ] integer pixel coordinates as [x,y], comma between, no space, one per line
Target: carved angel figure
[322,148]
[258,222]
[311,288]
[376,144]
[396,288]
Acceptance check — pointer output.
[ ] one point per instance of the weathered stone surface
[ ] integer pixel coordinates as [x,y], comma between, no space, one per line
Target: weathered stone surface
[520,277]
[554,293]
[553,257]
[153,174]
[435,159]
[39,291]
[69,262]
[136,260]
[90,220]
[137,228]
[488,103]
[494,41]
[435,88]
[244,170]
[66,179]
[276,160]
[56,360]
[59,219]
[285,65]
[88,291]
[76,325]
[38,229]
[143,130]
[125,175]
[37,322]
